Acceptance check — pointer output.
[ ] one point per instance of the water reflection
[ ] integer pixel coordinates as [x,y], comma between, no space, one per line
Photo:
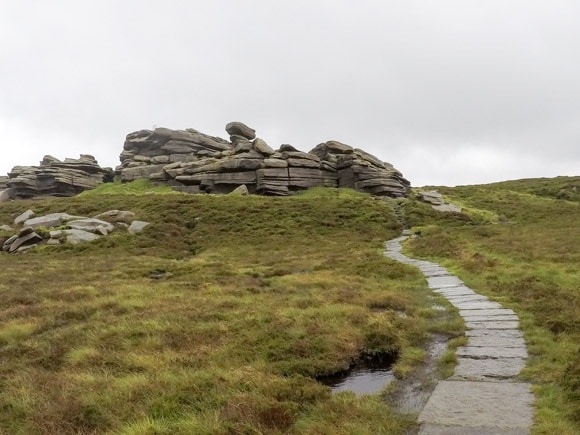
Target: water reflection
[365,377]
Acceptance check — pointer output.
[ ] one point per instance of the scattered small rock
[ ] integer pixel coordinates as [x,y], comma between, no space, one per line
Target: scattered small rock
[28,238]
[91,225]
[240,190]
[58,228]
[79,236]
[116,216]
[28,214]
[137,227]
[50,220]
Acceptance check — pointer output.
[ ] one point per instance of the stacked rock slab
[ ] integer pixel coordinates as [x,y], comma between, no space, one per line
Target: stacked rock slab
[57,178]
[195,162]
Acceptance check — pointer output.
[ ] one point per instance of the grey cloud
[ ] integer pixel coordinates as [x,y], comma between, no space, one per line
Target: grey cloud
[425,85]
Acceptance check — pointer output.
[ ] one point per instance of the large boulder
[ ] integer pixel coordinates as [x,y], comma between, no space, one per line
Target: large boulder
[240,129]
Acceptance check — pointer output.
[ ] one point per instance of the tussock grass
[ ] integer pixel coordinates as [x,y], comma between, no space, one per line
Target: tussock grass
[216,319]
[528,261]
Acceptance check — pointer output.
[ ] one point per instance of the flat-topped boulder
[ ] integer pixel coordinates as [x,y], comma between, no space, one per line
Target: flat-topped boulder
[54,177]
[196,162]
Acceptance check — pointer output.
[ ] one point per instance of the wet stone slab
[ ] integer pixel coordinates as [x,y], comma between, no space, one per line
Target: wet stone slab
[458,293]
[435,272]
[487,352]
[479,404]
[504,324]
[467,298]
[493,340]
[507,333]
[455,291]
[486,312]
[437,282]
[488,369]
[483,305]
[438,429]
[490,318]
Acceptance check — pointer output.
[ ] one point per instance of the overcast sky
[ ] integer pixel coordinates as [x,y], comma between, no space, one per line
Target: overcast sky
[449,91]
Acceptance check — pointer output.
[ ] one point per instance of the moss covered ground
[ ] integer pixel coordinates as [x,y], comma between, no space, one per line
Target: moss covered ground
[217,319]
[519,243]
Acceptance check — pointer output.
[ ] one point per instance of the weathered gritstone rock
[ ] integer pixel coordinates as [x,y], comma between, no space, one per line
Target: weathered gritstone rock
[62,227]
[57,178]
[196,163]
[437,202]
[483,396]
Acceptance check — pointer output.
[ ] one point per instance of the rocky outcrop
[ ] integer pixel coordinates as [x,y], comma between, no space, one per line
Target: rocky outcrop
[195,162]
[60,228]
[56,178]
[437,202]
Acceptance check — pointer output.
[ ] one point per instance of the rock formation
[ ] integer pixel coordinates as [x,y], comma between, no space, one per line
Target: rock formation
[56,178]
[195,162]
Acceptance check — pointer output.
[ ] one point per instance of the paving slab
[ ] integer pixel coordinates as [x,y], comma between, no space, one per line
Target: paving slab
[502,324]
[483,305]
[487,352]
[455,291]
[479,405]
[438,429]
[434,272]
[486,312]
[493,340]
[506,333]
[476,318]
[444,281]
[498,369]
[467,298]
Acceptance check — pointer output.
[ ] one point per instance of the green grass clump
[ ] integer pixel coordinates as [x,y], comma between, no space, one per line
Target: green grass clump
[529,261]
[216,319]
[137,187]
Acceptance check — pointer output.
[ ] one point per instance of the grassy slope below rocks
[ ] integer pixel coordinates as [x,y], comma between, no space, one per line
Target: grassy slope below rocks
[214,320]
[528,260]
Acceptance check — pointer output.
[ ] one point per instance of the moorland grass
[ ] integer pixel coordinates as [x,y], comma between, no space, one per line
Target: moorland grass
[216,319]
[528,261]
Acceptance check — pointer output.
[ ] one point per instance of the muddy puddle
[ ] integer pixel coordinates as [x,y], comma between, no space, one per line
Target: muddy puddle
[366,376]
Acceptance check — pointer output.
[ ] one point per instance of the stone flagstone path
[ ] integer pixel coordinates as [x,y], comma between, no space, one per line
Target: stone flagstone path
[483,397]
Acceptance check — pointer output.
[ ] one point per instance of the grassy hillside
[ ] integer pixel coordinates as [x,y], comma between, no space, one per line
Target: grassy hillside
[216,319]
[522,247]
